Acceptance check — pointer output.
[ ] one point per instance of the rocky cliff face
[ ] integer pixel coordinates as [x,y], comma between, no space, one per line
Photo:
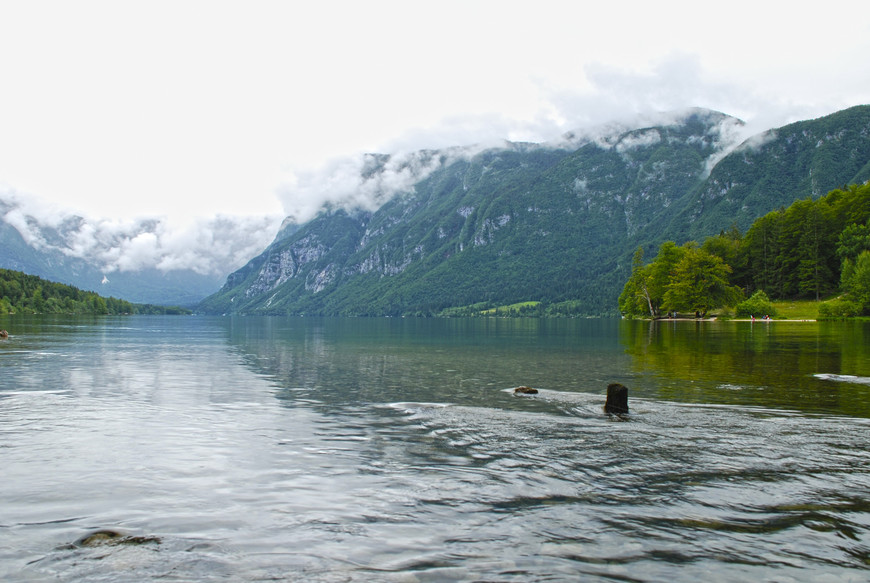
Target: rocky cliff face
[554,223]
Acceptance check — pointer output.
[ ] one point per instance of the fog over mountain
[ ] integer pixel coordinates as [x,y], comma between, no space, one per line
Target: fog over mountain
[207,246]
[152,260]
[367,180]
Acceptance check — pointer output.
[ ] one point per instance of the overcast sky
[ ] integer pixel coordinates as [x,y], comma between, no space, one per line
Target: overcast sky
[195,108]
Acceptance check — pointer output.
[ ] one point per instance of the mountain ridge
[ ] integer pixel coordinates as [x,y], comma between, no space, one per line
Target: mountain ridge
[542,223]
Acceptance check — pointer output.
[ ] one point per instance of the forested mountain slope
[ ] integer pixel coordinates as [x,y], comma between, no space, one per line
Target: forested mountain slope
[804,159]
[555,224]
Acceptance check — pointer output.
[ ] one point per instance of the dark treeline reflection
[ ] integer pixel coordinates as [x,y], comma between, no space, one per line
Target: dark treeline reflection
[767,364]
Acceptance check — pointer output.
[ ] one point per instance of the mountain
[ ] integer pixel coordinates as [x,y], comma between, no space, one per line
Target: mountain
[555,223]
[772,169]
[152,260]
[48,254]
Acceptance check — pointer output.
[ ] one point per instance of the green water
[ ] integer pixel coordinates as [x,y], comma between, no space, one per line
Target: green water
[804,366]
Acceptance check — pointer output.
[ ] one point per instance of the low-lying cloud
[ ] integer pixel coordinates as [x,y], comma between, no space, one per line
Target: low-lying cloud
[214,245]
[615,100]
[364,181]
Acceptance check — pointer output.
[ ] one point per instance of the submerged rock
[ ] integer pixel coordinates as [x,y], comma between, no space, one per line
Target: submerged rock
[617,399]
[525,391]
[108,537]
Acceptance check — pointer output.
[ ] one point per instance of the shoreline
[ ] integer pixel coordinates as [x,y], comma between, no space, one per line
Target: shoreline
[716,319]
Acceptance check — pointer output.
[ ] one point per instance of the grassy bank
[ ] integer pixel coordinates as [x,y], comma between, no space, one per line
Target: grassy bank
[796,309]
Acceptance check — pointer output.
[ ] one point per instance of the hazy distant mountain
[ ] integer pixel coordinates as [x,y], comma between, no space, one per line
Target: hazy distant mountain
[45,257]
[555,223]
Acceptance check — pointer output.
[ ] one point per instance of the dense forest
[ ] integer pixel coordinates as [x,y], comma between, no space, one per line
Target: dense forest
[28,294]
[813,249]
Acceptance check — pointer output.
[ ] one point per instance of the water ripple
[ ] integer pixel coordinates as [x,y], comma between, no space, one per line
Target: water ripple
[243,474]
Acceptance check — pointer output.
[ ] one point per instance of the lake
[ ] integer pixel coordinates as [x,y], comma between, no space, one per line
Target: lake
[308,449]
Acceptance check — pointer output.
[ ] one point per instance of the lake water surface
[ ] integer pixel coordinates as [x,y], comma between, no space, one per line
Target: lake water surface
[303,449]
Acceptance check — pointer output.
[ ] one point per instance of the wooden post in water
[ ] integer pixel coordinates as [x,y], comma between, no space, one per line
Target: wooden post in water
[617,399]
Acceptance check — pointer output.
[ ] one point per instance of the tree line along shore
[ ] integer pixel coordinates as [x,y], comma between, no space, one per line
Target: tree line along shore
[21,293]
[816,251]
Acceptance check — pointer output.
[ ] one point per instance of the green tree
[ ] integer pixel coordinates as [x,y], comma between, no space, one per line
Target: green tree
[645,290]
[759,304]
[99,305]
[661,272]
[635,299]
[760,251]
[817,259]
[37,302]
[725,245]
[857,286]
[728,245]
[700,283]
[852,241]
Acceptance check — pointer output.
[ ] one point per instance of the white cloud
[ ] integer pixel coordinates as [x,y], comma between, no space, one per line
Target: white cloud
[137,252]
[18,219]
[639,140]
[215,245]
[364,181]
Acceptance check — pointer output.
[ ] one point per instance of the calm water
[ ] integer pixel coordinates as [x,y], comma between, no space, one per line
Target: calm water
[258,449]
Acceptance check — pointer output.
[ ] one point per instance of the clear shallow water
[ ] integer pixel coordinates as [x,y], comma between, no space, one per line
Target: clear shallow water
[393,450]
